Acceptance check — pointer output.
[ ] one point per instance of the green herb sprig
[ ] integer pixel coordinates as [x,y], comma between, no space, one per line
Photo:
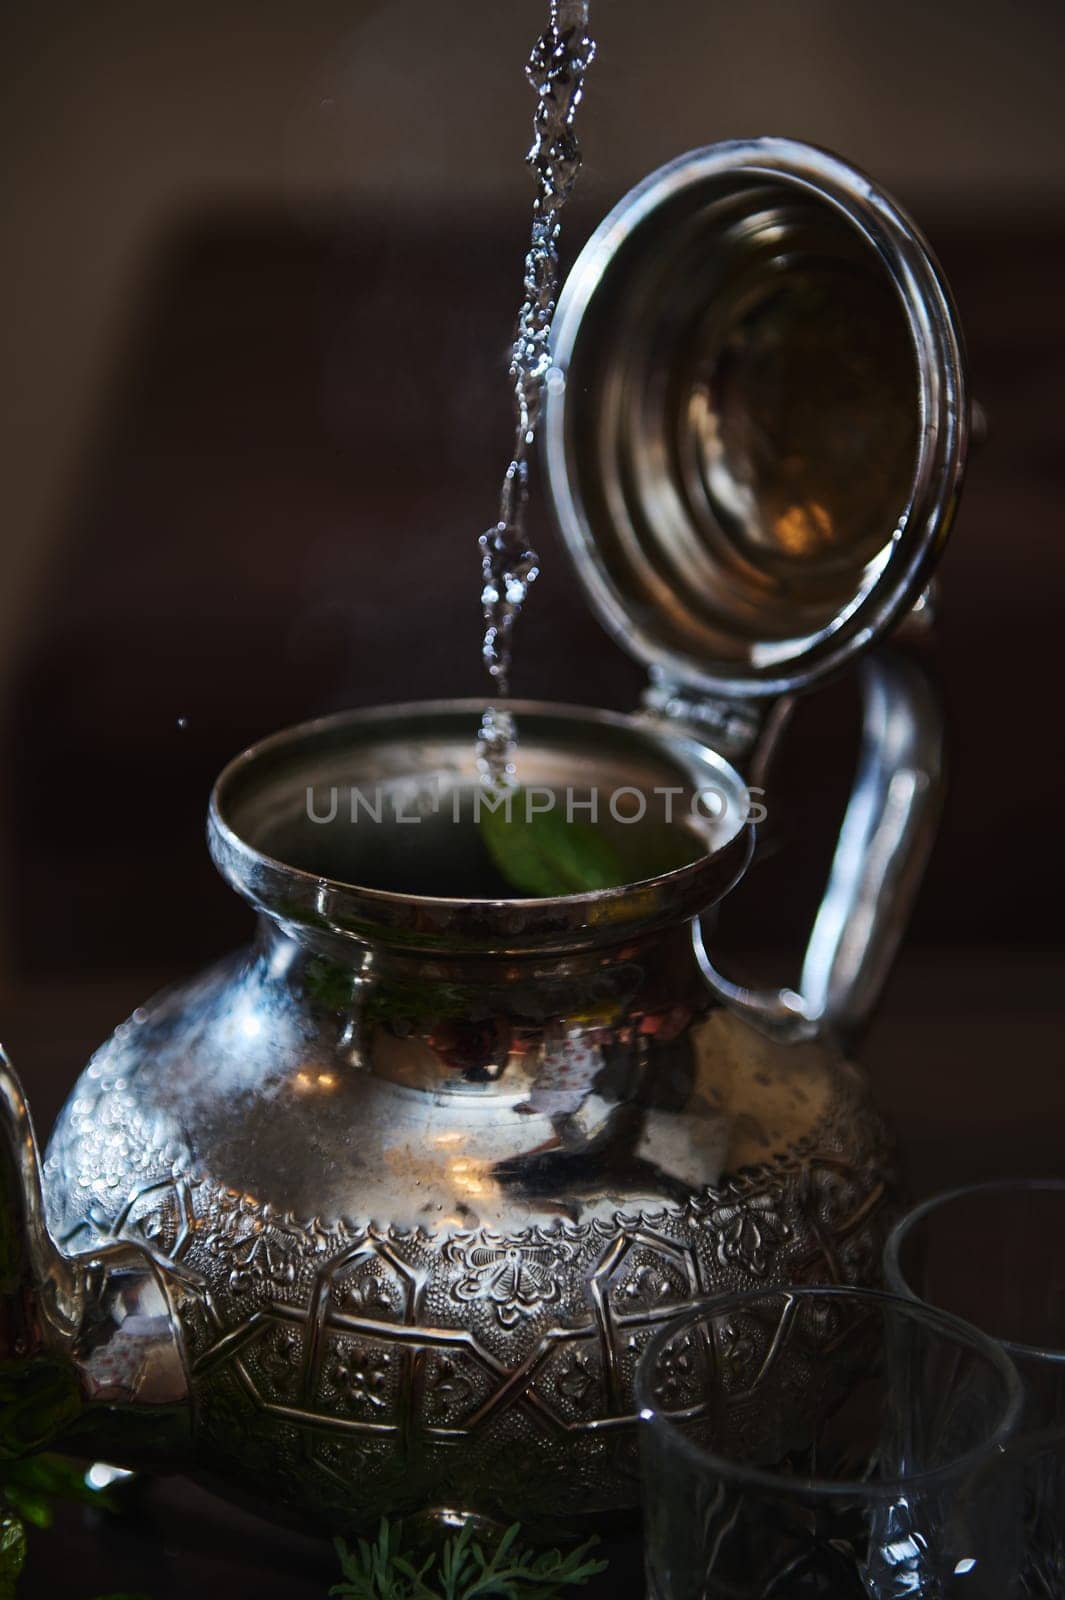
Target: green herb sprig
[462,1571]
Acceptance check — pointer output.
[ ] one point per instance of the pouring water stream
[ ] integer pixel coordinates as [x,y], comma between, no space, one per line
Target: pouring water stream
[509,564]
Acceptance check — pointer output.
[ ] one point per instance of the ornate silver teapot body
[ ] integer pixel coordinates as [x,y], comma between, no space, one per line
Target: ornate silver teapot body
[380,1214]
[418,1180]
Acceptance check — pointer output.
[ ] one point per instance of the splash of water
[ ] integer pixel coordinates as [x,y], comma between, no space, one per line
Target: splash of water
[509,564]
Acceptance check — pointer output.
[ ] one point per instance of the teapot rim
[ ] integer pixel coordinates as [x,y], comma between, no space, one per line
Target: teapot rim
[302,900]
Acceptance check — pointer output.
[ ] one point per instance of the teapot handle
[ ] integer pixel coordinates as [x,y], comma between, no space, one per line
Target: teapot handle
[884,842]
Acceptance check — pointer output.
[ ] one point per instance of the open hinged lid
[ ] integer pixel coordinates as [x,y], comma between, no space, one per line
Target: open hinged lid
[756,427]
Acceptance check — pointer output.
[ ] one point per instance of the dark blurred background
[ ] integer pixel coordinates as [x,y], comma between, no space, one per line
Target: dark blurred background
[260,262]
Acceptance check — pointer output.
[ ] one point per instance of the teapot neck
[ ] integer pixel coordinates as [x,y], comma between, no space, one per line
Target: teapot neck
[294,950]
[478,1025]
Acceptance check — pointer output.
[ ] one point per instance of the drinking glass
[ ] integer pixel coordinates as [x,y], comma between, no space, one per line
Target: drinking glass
[827,1442]
[994,1253]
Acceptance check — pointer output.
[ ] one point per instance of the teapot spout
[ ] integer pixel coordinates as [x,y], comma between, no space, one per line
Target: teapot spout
[83,1339]
[38,1284]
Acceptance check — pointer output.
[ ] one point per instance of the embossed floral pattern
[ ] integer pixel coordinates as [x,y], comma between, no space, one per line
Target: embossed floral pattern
[737,1352]
[368,1296]
[360,1374]
[650,1286]
[281,1360]
[490,1305]
[448,1385]
[261,1247]
[675,1370]
[577,1382]
[517,1277]
[746,1229]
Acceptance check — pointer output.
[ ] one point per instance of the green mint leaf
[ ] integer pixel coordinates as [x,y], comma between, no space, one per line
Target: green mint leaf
[544,855]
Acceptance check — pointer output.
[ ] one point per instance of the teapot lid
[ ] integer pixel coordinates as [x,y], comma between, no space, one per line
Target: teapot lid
[756,423]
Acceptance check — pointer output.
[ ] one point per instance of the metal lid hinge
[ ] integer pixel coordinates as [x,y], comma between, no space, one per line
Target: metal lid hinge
[731,726]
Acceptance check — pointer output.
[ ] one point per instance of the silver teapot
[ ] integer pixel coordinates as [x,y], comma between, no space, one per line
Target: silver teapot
[379,1214]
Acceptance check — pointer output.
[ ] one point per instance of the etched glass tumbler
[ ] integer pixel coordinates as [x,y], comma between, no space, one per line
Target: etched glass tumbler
[836,1443]
[994,1253]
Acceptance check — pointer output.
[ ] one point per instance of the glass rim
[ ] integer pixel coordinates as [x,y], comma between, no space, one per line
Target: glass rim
[938,1202]
[840,1488]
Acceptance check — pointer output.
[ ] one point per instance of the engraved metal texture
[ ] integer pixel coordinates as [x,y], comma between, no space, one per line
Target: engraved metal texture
[420,1210]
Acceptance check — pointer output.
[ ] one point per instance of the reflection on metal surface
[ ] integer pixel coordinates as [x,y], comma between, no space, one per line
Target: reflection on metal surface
[757,436]
[884,841]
